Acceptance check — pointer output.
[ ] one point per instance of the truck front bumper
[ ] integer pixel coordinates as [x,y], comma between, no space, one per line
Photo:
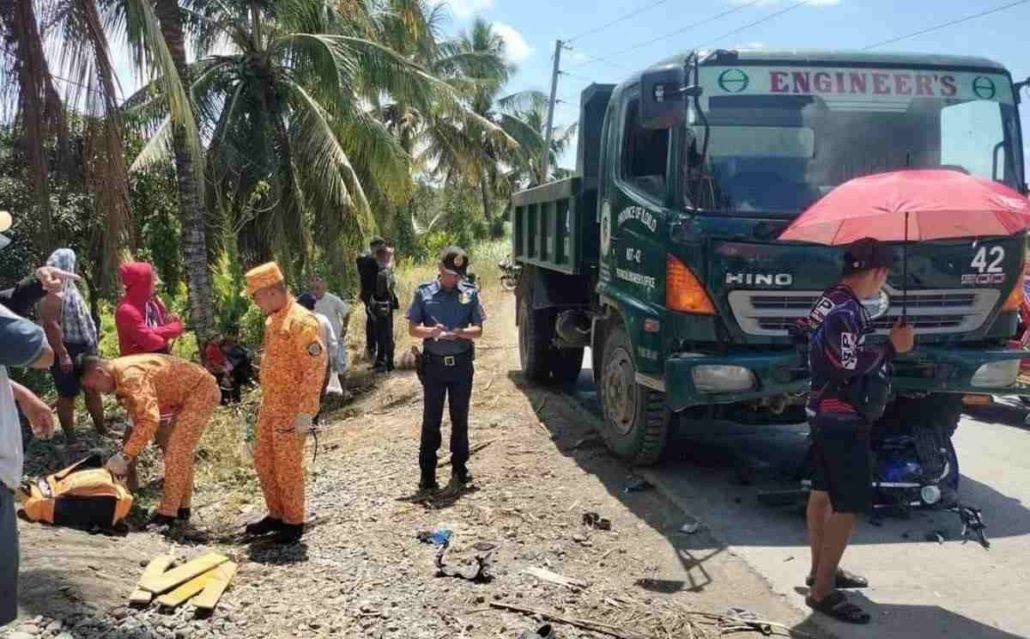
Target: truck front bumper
[693,379]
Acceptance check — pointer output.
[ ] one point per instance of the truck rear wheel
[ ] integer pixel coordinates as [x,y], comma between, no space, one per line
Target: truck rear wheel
[541,361]
[636,421]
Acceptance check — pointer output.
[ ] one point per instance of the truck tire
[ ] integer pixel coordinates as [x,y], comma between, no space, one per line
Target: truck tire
[534,343]
[636,421]
[566,365]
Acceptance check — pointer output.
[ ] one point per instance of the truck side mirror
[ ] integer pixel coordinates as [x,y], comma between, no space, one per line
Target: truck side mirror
[663,97]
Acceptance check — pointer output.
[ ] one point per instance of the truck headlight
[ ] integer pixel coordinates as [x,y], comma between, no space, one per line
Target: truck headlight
[996,374]
[713,378]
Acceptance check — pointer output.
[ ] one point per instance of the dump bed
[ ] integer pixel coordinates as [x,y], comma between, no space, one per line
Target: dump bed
[553,227]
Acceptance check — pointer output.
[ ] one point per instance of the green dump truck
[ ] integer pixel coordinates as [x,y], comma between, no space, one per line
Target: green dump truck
[661,256]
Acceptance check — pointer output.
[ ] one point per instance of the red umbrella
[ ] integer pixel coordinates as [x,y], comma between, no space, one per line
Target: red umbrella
[912,205]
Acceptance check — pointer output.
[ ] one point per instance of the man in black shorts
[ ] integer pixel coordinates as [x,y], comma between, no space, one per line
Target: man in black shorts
[838,358]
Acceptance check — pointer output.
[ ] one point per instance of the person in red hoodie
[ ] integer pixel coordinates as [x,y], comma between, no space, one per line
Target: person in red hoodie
[144,326]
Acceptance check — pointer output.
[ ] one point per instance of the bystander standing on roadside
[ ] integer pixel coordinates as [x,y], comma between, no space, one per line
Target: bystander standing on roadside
[325,331]
[71,332]
[384,303]
[22,344]
[847,374]
[367,271]
[337,312]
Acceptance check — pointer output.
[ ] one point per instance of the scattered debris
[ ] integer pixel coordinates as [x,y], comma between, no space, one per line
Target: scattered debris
[586,624]
[593,520]
[637,485]
[157,567]
[438,537]
[194,568]
[743,620]
[544,574]
[690,527]
[936,535]
[972,521]
[475,569]
[475,448]
[208,598]
[543,632]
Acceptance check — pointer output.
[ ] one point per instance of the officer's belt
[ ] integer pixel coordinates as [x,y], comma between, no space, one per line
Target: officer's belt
[448,360]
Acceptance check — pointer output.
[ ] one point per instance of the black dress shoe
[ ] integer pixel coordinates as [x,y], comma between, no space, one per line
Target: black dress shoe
[157,520]
[461,476]
[288,534]
[264,526]
[183,514]
[428,486]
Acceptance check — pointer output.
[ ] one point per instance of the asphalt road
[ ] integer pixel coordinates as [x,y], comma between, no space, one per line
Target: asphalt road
[919,588]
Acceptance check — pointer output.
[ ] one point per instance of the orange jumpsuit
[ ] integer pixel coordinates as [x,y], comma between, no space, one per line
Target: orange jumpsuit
[143,383]
[292,368]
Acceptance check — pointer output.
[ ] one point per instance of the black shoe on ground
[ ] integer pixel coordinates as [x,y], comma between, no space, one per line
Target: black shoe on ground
[183,514]
[157,520]
[264,526]
[288,534]
[462,477]
[428,487]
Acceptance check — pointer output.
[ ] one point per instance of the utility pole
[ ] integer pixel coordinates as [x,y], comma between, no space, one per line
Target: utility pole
[550,110]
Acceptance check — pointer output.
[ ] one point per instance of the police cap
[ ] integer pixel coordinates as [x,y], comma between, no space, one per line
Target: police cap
[867,253]
[454,260]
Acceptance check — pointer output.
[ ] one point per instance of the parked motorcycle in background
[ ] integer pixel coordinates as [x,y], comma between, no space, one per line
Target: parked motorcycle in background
[510,273]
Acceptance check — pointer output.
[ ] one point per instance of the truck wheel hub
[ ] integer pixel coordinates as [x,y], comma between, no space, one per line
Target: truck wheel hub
[620,391]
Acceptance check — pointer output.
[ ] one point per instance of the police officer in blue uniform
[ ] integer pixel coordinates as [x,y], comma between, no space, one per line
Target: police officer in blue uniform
[447,316]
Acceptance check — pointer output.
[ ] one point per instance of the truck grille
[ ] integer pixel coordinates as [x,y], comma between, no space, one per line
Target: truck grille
[931,312]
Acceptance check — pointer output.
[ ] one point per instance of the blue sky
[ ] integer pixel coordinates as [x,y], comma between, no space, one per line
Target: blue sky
[531,27]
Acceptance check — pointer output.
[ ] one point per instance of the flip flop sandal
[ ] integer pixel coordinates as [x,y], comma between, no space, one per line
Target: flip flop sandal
[836,605]
[844,579]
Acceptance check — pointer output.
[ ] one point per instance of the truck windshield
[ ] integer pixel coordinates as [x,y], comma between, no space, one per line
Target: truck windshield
[776,153]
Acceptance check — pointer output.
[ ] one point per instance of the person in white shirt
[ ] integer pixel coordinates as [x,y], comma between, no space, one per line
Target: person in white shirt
[325,329]
[337,312]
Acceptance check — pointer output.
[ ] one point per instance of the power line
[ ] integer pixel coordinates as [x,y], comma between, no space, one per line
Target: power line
[759,21]
[946,24]
[622,18]
[670,34]
[602,60]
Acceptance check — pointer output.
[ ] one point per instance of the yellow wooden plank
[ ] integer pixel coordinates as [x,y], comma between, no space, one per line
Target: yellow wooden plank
[157,566]
[183,573]
[179,596]
[208,599]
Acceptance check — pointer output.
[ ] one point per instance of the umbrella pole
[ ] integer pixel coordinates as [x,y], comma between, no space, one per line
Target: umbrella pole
[904,275]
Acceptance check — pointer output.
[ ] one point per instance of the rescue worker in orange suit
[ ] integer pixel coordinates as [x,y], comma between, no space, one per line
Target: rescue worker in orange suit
[142,384]
[292,367]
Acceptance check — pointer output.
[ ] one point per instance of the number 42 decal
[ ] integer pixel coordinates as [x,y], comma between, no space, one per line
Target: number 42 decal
[988,260]
[987,263]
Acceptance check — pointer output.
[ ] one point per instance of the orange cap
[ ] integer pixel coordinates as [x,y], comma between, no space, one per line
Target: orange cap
[259,277]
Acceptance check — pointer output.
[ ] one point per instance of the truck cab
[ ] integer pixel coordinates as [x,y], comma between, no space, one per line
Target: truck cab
[662,256]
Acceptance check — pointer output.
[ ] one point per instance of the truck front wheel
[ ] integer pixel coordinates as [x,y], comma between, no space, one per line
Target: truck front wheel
[636,421]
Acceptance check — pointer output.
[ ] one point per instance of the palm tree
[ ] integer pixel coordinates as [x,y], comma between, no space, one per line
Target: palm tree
[156,35]
[75,32]
[295,143]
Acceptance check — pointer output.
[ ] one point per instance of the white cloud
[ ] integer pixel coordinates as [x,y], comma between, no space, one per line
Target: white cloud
[464,9]
[515,46]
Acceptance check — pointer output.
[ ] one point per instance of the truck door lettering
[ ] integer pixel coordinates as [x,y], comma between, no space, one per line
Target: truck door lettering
[633,255]
[639,279]
[640,214]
